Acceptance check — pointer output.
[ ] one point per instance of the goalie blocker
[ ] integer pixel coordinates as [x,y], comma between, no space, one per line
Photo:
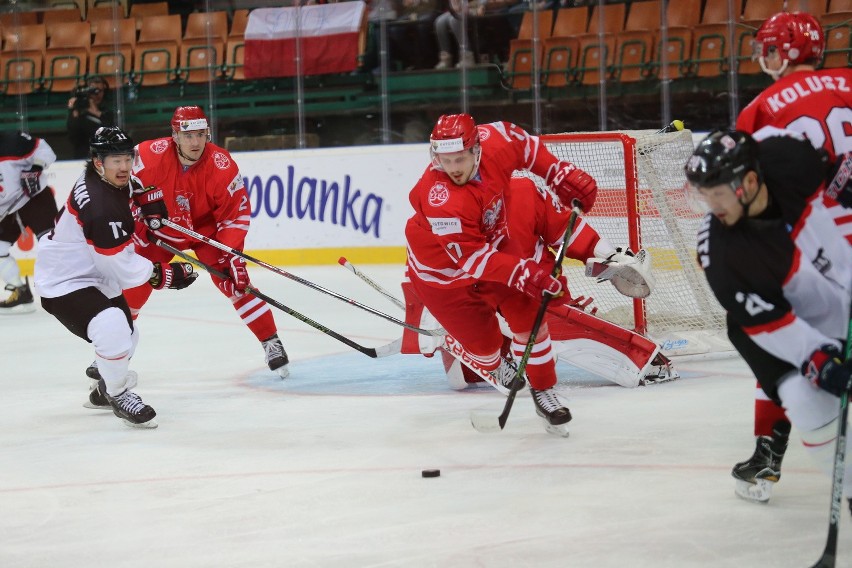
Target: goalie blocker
[579,338]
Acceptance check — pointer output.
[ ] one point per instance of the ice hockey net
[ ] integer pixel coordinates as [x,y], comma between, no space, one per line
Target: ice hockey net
[641,204]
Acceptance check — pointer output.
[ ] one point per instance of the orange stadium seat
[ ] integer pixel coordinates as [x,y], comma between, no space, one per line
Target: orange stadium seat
[112,49]
[560,50]
[66,59]
[235,48]
[202,51]
[681,18]
[61,16]
[22,58]
[636,43]
[835,6]
[521,49]
[591,52]
[155,61]
[711,43]
[140,11]
[815,7]
[838,39]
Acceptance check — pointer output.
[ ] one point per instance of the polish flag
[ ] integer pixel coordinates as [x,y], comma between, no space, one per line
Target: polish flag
[328,33]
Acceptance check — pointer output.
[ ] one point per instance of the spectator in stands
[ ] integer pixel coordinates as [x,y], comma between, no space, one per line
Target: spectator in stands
[379,10]
[412,36]
[450,23]
[88,111]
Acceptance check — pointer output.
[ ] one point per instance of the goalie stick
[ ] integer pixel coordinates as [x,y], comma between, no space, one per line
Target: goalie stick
[308,283]
[829,554]
[487,423]
[374,352]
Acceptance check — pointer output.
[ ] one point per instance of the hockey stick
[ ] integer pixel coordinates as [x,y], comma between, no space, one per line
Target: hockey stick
[308,283]
[374,352]
[448,343]
[12,206]
[372,283]
[829,554]
[487,423]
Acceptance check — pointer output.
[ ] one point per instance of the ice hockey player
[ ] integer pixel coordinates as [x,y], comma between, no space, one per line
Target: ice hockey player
[782,270]
[23,204]
[612,352]
[815,103]
[85,262]
[203,191]
[456,264]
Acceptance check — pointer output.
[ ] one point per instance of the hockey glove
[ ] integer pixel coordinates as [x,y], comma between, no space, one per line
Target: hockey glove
[629,273]
[570,184]
[177,275]
[30,181]
[238,276]
[152,206]
[827,370]
[530,278]
[839,186]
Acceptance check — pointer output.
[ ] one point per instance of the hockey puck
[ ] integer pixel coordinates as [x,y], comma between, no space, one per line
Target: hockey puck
[431,473]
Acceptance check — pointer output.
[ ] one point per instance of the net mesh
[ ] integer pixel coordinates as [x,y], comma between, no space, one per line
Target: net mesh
[681,314]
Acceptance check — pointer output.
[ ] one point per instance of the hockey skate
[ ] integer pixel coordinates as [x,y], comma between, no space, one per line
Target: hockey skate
[660,371]
[276,357]
[756,476]
[554,413]
[129,407]
[507,371]
[97,398]
[20,301]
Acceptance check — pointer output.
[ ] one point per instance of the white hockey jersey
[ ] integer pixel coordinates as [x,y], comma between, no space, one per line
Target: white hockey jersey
[20,152]
[92,243]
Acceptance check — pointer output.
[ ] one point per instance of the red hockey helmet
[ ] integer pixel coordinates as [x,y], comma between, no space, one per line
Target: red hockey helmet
[796,36]
[454,133]
[188,118]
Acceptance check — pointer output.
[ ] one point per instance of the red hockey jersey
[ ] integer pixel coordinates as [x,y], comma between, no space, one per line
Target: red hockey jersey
[455,233]
[208,197]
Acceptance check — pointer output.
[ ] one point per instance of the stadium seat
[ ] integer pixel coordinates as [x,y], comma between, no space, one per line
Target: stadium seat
[155,61]
[22,58]
[235,48]
[560,50]
[636,43]
[112,49]
[66,59]
[591,52]
[712,45]
[203,46]
[681,18]
[814,7]
[835,6]
[140,11]
[60,16]
[838,39]
[519,69]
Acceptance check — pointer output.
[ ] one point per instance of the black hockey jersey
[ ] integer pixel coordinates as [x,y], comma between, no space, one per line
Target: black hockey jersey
[785,276]
[92,243]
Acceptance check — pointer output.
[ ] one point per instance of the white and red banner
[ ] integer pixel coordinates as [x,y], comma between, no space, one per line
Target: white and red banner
[328,36]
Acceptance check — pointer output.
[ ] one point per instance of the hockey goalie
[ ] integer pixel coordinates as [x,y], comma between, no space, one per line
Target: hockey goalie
[536,224]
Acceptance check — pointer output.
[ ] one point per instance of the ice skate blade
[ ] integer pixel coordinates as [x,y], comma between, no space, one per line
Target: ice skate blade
[19,309]
[283,371]
[88,404]
[758,492]
[560,430]
[150,425]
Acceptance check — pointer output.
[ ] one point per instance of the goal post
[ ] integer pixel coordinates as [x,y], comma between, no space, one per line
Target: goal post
[641,203]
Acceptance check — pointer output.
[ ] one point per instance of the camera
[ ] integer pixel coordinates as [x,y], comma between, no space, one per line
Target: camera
[82,95]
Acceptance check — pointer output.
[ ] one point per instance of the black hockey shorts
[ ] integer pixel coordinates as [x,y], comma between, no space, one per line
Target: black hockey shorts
[39,214]
[767,368]
[77,309]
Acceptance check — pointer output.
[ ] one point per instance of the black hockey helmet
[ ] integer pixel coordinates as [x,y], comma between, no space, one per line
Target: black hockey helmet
[724,156]
[110,140]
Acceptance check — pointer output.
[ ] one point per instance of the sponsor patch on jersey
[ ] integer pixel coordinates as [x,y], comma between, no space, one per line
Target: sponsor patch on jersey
[484,133]
[160,146]
[439,194]
[221,160]
[445,225]
[236,184]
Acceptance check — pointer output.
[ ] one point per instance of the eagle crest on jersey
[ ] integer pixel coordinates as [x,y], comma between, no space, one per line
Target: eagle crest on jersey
[221,160]
[160,146]
[492,214]
[438,195]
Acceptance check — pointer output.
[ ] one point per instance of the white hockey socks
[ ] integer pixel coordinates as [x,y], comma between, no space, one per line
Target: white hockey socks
[9,271]
[113,343]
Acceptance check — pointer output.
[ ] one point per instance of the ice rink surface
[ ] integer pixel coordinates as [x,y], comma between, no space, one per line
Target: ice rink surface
[323,469]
